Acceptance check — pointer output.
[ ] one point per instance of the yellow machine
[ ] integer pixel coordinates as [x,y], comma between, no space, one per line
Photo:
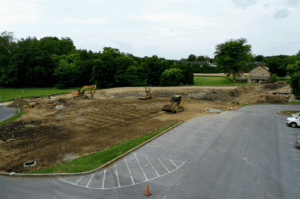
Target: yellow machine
[80,92]
[148,94]
[31,104]
[176,104]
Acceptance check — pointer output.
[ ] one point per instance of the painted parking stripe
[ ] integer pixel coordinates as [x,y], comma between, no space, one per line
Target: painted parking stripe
[174,163]
[140,166]
[169,149]
[103,179]
[295,159]
[117,175]
[79,179]
[129,171]
[294,150]
[163,165]
[90,181]
[152,166]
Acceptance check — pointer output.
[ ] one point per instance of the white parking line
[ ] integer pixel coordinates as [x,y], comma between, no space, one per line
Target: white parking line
[129,171]
[165,197]
[117,175]
[163,165]
[152,166]
[178,183]
[295,159]
[103,179]
[194,167]
[294,150]
[141,167]
[174,163]
[79,179]
[291,137]
[169,149]
[90,181]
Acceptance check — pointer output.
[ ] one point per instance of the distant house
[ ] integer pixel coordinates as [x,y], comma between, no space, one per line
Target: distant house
[259,74]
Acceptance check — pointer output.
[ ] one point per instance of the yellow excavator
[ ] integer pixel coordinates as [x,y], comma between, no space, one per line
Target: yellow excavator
[80,92]
[176,104]
[148,94]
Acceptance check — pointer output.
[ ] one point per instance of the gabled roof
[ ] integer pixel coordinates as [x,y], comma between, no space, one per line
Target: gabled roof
[263,67]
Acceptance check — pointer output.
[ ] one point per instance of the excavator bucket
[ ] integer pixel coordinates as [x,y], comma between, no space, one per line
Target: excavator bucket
[167,108]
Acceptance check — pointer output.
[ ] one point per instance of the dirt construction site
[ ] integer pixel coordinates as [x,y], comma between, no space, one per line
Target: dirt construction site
[62,128]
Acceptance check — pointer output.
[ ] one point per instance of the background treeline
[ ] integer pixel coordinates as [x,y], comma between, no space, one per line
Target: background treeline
[52,62]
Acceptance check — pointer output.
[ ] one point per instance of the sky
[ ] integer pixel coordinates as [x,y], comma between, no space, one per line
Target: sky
[170,29]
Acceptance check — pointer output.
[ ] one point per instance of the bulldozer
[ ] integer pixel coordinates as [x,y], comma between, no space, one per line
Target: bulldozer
[80,92]
[176,104]
[148,94]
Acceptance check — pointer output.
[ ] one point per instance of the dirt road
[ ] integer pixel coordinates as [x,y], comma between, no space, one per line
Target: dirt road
[49,135]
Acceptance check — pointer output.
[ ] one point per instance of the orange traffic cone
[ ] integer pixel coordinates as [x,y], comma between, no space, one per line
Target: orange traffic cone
[147,191]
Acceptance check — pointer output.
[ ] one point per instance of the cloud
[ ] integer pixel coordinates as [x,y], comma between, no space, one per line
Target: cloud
[281,14]
[243,4]
[19,12]
[177,19]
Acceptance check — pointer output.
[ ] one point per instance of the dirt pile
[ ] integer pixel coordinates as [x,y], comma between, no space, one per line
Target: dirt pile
[17,103]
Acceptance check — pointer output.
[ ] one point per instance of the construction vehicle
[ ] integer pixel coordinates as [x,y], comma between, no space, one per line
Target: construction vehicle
[31,104]
[148,94]
[176,104]
[80,92]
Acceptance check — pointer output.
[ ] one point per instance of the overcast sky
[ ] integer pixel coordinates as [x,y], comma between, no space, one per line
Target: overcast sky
[172,29]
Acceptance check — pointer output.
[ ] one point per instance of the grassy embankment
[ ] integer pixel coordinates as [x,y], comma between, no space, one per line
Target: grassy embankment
[92,161]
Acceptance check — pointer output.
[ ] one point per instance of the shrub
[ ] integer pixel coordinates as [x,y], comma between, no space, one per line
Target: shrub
[274,78]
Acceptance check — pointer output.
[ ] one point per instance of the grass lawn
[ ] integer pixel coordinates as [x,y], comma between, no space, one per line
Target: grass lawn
[12,93]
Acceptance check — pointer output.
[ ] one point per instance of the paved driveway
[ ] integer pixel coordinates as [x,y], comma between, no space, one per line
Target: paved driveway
[248,153]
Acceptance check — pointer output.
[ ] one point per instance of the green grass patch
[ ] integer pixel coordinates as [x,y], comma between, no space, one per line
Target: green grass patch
[289,113]
[95,160]
[13,117]
[12,93]
[216,81]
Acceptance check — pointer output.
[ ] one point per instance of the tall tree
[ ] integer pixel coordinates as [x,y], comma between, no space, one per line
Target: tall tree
[201,58]
[259,58]
[232,57]
[192,57]
[7,47]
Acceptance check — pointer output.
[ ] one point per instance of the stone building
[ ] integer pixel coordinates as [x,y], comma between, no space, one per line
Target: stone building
[259,74]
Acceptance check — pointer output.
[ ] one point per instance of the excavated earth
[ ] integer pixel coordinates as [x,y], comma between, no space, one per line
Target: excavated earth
[64,128]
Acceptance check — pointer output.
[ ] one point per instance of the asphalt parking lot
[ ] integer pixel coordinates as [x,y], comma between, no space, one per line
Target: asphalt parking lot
[247,153]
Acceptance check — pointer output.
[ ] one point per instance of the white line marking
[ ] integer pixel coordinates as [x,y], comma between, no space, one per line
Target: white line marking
[295,159]
[178,183]
[103,179]
[174,163]
[117,175]
[141,167]
[194,167]
[79,179]
[293,150]
[90,181]
[122,186]
[297,170]
[164,197]
[152,166]
[291,137]
[129,171]
[298,183]
[163,165]
[168,149]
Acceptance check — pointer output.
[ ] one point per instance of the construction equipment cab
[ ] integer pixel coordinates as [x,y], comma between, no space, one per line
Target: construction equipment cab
[176,104]
[148,94]
[80,92]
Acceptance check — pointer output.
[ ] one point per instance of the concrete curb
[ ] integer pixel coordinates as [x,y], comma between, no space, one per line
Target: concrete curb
[92,171]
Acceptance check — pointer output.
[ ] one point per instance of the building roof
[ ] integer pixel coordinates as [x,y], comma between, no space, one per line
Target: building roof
[266,68]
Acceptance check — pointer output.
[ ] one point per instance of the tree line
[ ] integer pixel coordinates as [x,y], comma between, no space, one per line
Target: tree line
[56,62]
